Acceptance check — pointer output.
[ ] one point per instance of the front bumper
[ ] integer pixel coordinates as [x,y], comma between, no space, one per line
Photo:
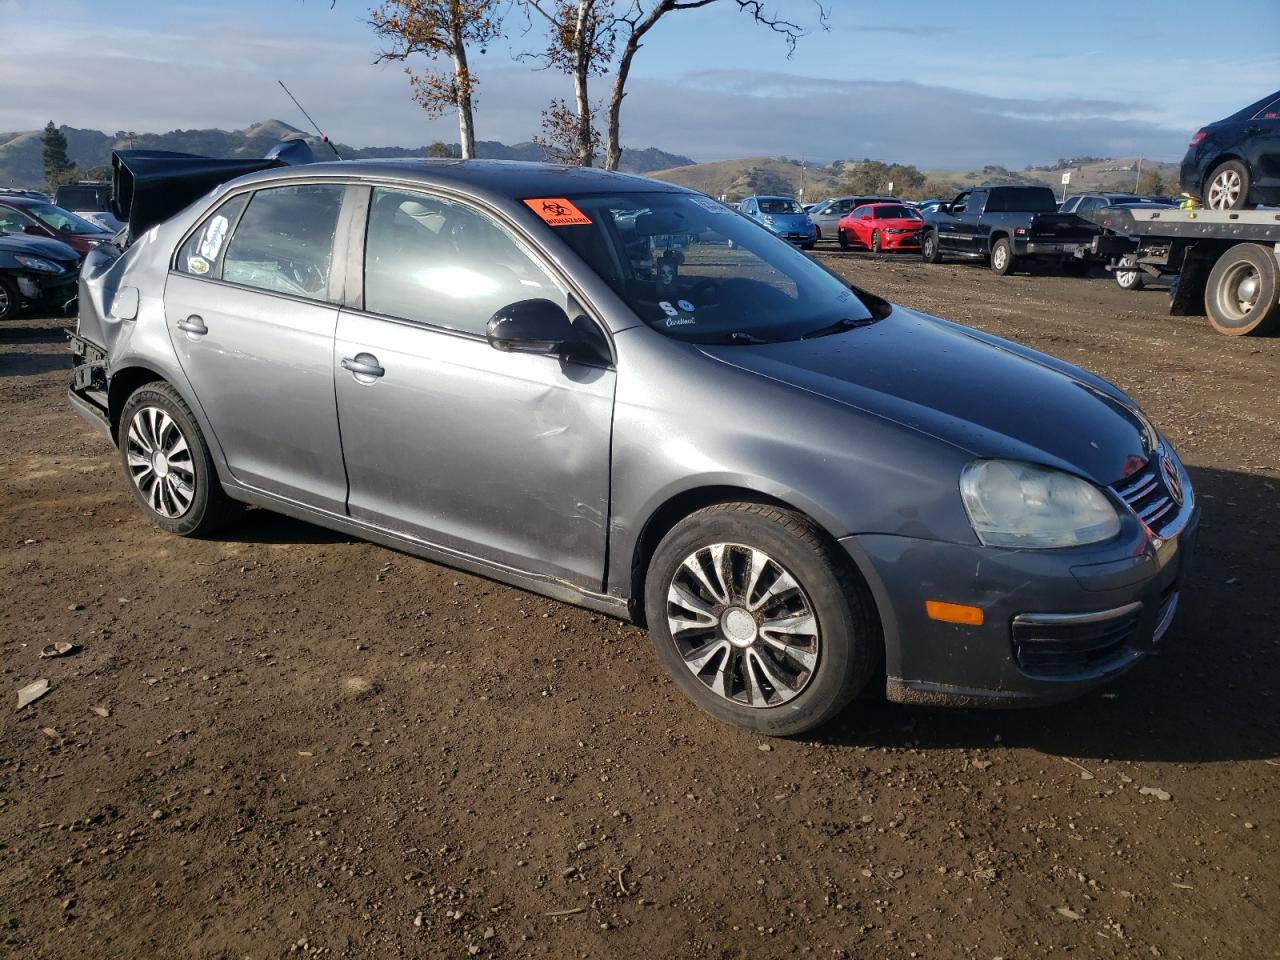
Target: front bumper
[900,241]
[47,289]
[1056,623]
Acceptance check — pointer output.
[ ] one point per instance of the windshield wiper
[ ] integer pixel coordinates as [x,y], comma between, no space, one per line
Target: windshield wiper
[840,326]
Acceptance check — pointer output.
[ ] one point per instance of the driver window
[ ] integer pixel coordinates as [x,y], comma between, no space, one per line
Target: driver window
[437,262]
[960,202]
[284,241]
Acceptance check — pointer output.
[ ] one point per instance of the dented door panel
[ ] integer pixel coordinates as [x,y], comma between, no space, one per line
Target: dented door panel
[503,456]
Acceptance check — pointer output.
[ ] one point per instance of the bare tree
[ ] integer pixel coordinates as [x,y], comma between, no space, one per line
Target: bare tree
[580,43]
[438,29]
[641,16]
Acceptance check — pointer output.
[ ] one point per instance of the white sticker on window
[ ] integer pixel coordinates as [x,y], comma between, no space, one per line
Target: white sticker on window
[668,309]
[198,265]
[685,305]
[214,234]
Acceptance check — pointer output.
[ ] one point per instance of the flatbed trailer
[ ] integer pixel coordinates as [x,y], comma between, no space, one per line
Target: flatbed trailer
[1225,263]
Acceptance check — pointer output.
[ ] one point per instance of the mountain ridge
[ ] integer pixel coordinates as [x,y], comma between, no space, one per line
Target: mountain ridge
[21,163]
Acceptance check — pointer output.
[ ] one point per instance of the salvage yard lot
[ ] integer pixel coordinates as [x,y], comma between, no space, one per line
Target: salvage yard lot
[316,746]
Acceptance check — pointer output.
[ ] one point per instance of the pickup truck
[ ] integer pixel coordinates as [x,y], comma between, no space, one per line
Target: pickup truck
[1007,226]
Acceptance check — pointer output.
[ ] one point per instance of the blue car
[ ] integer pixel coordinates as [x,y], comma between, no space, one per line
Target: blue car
[784,216]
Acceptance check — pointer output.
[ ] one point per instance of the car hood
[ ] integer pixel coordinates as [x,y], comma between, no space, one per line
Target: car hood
[981,394]
[36,247]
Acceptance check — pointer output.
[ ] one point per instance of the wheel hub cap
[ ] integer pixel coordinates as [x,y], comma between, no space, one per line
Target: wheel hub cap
[738,626]
[159,462]
[743,625]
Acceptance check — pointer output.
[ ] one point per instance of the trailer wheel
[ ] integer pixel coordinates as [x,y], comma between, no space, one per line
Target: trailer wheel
[1128,276]
[1242,295]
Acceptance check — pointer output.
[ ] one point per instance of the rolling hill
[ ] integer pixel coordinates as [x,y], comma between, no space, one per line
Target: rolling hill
[735,179]
[21,164]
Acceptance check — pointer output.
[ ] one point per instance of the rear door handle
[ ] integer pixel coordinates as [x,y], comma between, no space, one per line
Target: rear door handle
[193,325]
[363,365]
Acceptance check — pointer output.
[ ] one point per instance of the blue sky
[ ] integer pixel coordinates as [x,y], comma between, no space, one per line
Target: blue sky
[940,84]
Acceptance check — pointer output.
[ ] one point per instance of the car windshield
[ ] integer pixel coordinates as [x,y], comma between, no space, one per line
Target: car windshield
[779,205]
[60,219]
[895,211]
[695,271]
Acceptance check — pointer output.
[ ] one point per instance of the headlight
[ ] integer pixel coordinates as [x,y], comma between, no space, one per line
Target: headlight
[768,218]
[35,263]
[1014,504]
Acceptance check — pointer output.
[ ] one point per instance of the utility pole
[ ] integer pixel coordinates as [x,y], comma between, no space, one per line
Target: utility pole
[1138,179]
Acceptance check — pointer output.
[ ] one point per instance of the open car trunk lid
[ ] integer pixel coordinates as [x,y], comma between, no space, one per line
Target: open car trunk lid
[150,186]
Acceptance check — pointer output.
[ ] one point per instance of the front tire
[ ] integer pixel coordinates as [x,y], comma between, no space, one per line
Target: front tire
[167,463]
[759,619]
[10,299]
[1227,187]
[929,251]
[875,241]
[1002,258]
[1241,293]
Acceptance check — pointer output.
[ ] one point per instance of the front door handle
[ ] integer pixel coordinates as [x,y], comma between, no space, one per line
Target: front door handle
[363,365]
[193,325]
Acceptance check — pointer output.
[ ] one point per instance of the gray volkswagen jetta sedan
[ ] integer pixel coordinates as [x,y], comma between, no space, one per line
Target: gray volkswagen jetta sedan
[624,395]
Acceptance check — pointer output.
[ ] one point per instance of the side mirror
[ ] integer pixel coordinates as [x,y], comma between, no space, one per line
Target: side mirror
[533,326]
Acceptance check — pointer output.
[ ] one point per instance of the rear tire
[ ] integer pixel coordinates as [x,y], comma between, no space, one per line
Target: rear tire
[1242,291]
[1002,258]
[709,620]
[842,239]
[929,251]
[1227,187]
[1132,278]
[167,463]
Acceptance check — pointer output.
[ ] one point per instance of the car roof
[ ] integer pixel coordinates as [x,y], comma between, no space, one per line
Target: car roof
[20,201]
[515,179]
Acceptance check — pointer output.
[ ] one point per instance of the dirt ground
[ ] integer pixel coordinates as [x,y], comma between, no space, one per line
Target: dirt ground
[318,747]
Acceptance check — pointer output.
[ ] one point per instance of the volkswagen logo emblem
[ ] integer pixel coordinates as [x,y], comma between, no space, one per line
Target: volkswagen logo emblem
[1172,482]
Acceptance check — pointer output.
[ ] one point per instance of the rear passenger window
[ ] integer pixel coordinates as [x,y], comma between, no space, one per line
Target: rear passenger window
[284,242]
[438,262]
[201,255]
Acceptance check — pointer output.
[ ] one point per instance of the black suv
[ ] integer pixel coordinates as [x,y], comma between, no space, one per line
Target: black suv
[1234,164]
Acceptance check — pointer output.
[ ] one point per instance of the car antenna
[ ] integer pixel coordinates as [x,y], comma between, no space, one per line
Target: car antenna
[323,138]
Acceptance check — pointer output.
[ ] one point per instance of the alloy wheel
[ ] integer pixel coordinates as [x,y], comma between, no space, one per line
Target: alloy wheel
[743,625]
[1000,257]
[1225,190]
[160,462]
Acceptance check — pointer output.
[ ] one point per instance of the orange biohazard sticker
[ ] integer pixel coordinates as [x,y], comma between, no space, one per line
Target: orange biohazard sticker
[558,212]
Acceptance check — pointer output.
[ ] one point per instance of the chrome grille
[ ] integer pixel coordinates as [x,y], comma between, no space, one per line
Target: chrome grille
[1148,497]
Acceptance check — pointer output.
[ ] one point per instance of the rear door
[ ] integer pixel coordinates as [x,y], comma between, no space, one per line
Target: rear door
[501,456]
[1263,132]
[251,306]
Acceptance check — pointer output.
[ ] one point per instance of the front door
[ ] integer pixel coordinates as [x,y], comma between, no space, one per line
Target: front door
[950,227]
[251,314]
[501,456]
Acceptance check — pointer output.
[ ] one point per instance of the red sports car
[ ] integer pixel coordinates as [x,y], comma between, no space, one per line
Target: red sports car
[880,226]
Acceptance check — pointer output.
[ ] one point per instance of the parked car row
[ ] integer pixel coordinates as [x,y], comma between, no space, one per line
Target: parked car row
[41,249]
